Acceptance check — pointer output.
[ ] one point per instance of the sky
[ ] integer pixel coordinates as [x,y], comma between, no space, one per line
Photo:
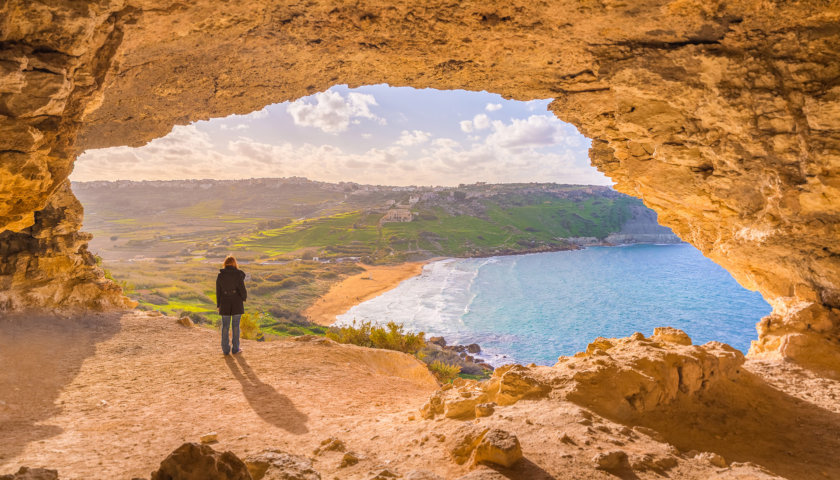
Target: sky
[371,135]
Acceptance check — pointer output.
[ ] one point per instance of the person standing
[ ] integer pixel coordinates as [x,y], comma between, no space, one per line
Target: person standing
[230,302]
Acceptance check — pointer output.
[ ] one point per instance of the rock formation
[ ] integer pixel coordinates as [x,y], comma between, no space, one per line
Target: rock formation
[722,116]
[193,461]
[620,377]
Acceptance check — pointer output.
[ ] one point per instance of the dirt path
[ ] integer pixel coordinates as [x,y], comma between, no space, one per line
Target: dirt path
[374,281]
[109,396]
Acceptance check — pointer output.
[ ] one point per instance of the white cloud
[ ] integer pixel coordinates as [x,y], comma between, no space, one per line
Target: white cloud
[414,137]
[240,126]
[492,107]
[535,131]
[479,122]
[332,112]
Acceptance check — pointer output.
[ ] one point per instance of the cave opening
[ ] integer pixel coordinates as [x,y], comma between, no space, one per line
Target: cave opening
[278,184]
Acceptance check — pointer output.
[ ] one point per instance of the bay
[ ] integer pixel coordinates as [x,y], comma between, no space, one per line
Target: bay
[533,308]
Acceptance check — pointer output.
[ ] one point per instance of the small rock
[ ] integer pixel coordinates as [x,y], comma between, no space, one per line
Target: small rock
[331,444]
[211,437]
[565,438]
[439,341]
[498,447]
[614,460]
[670,335]
[585,422]
[278,465]
[383,475]
[26,473]
[422,475]
[186,321]
[712,458]
[349,459]
[473,348]
[485,409]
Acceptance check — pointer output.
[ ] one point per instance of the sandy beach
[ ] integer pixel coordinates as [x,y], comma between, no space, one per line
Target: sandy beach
[374,281]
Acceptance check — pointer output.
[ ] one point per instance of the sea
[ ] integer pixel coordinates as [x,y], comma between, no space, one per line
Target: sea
[533,308]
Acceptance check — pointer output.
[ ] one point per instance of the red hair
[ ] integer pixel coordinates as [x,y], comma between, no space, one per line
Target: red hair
[230,262]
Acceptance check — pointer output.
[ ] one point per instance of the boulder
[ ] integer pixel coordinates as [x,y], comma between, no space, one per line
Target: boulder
[26,473]
[186,321]
[193,461]
[439,341]
[463,441]
[211,437]
[498,447]
[473,348]
[278,465]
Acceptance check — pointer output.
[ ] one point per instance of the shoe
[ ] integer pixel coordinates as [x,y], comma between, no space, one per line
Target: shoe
[225,353]
[238,351]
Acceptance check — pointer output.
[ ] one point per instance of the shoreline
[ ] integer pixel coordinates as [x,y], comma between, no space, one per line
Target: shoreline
[355,289]
[378,279]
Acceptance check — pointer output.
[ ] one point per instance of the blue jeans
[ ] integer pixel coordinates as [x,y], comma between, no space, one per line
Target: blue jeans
[225,328]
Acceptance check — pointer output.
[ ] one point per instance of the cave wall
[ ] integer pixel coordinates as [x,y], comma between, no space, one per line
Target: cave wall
[724,117]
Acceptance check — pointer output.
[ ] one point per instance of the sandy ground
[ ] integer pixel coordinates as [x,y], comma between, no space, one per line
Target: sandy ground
[109,396]
[351,291]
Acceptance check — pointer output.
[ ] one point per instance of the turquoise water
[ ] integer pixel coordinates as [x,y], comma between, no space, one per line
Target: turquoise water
[533,308]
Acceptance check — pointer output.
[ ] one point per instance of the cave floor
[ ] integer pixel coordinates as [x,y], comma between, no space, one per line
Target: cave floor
[110,395]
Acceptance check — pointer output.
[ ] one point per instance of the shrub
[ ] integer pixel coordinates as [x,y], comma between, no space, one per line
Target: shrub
[249,327]
[444,372]
[390,337]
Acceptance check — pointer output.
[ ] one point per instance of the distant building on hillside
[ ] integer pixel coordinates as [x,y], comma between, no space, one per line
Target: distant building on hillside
[413,199]
[397,215]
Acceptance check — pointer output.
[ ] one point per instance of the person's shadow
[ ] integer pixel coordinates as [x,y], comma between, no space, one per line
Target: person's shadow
[271,405]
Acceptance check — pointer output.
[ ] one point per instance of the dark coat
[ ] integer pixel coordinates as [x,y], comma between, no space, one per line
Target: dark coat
[230,291]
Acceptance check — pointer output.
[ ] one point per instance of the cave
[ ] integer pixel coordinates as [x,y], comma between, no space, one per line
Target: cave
[724,117]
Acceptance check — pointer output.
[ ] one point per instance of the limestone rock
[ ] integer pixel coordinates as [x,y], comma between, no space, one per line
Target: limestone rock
[349,459]
[384,474]
[193,461]
[26,473]
[186,321]
[463,442]
[277,465]
[614,460]
[634,375]
[330,444]
[498,447]
[670,335]
[512,383]
[211,437]
[712,458]
[485,409]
